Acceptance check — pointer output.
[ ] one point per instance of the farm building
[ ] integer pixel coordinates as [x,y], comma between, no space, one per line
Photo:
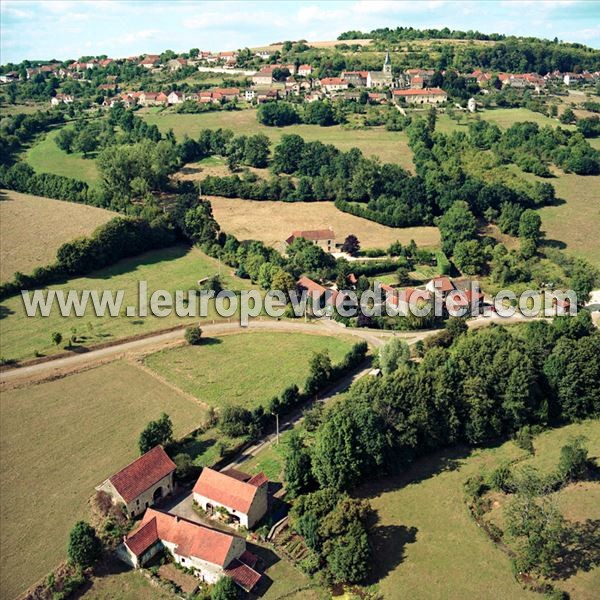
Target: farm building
[143,482]
[211,554]
[242,496]
[325,238]
[424,96]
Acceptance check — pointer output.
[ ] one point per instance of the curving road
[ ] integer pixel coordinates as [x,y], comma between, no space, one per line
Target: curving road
[63,366]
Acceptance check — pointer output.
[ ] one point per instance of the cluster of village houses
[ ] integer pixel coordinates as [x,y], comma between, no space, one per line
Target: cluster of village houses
[413,86]
[209,552]
[456,297]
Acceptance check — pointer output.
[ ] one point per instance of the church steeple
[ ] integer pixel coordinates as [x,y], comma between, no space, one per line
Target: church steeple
[387,63]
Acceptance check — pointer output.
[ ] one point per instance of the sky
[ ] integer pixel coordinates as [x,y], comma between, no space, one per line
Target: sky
[64,29]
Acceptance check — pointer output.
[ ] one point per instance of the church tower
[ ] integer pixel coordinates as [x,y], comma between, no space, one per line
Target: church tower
[387,63]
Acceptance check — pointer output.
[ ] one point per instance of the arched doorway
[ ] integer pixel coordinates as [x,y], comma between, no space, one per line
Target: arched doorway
[158,494]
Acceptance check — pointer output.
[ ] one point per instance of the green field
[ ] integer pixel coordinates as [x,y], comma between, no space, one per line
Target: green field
[176,268]
[390,146]
[426,545]
[60,439]
[503,117]
[46,157]
[244,369]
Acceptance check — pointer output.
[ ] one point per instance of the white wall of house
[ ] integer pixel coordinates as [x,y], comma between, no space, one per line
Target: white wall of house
[255,513]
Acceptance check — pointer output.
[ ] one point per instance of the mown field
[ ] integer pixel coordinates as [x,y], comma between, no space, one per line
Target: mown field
[32,228]
[246,369]
[390,146]
[60,439]
[426,545]
[46,157]
[272,222]
[170,269]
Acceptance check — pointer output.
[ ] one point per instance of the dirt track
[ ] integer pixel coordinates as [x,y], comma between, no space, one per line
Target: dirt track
[61,367]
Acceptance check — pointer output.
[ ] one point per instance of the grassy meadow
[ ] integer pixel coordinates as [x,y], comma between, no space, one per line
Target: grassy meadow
[390,146]
[245,369]
[32,229]
[503,117]
[46,157]
[58,440]
[176,268]
[426,545]
[272,222]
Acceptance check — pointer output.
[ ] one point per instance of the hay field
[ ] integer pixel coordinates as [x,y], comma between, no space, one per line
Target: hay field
[58,440]
[272,222]
[32,228]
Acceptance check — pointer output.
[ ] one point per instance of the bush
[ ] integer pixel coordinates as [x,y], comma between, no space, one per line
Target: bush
[234,420]
[84,545]
[193,335]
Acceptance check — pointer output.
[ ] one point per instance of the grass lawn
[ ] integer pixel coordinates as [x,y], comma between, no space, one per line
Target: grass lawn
[60,439]
[128,585]
[245,369]
[46,157]
[426,545]
[272,222]
[176,268]
[390,146]
[32,228]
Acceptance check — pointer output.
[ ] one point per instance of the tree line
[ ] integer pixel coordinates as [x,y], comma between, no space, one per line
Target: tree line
[485,386]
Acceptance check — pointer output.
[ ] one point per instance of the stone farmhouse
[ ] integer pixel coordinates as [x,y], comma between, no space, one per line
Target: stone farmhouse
[143,482]
[325,238]
[211,554]
[421,96]
[333,84]
[242,496]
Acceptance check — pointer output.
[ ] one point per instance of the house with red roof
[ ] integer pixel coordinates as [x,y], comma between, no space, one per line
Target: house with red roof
[325,238]
[424,96]
[305,70]
[243,496]
[143,482]
[333,84]
[441,285]
[211,554]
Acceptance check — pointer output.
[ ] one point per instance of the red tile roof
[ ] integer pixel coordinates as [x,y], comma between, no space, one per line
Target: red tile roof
[225,490]
[258,480]
[442,284]
[314,234]
[142,473]
[143,538]
[190,539]
[333,81]
[408,295]
[310,286]
[243,575]
[460,298]
[423,92]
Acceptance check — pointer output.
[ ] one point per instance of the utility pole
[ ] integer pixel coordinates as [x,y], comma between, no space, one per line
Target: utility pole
[277,426]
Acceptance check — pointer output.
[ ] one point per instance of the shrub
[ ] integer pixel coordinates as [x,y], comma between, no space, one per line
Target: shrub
[84,545]
[193,335]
